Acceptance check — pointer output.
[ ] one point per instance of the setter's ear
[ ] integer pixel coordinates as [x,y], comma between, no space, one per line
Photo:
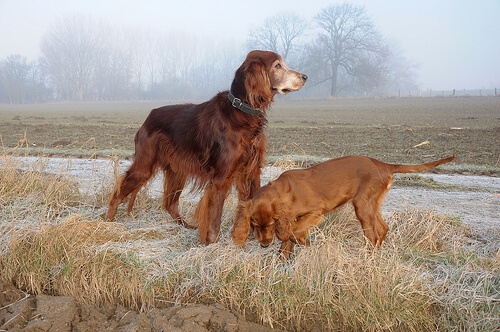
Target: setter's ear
[241,227]
[258,85]
[284,221]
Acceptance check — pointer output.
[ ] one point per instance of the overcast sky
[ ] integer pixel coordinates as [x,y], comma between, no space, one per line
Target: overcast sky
[456,42]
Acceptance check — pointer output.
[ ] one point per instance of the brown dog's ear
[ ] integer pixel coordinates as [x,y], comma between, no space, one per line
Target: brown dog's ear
[258,85]
[284,221]
[241,227]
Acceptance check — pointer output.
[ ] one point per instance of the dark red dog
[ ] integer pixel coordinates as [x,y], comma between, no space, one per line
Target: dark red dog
[217,143]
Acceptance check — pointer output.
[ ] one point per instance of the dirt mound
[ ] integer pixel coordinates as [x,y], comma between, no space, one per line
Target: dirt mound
[23,312]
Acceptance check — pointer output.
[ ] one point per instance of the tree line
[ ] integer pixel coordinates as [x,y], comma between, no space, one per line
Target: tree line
[340,49]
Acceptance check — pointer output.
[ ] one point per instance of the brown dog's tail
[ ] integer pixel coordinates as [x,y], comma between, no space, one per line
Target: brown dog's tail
[421,167]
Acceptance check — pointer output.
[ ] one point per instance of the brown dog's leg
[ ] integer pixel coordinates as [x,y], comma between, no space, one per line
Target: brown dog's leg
[365,214]
[301,238]
[141,170]
[381,228]
[132,200]
[374,227]
[285,250]
[128,185]
[247,182]
[300,235]
[305,223]
[209,212]
[172,189]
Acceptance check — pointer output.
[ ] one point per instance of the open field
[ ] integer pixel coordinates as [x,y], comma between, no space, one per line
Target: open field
[62,267]
[387,129]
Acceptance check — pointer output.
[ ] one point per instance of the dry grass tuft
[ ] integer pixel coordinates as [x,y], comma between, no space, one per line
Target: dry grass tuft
[53,191]
[77,258]
[432,273]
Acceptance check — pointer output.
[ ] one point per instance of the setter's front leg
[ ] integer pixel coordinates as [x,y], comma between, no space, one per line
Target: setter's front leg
[246,187]
[247,183]
[209,212]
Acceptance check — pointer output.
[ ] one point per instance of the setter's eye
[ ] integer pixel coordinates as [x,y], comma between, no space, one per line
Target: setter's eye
[278,65]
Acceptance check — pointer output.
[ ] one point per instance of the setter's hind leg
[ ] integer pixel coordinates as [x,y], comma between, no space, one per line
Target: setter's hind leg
[132,200]
[139,173]
[172,189]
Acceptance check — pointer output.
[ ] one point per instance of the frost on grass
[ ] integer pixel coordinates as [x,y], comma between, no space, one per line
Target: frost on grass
[432,272]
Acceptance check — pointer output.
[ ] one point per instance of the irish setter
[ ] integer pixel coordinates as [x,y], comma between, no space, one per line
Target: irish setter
[298,200]
[217,143]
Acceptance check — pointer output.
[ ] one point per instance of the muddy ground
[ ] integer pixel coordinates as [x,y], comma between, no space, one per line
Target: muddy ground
[391,130]
[24,312]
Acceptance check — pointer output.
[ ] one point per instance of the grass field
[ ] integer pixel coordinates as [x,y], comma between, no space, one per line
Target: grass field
[392,130]
[433,273]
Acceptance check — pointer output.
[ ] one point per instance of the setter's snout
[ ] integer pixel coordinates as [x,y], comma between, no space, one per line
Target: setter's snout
[304,77]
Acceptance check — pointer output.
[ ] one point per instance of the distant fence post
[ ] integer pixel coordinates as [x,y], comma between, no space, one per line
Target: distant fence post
[453,92]
[495,91]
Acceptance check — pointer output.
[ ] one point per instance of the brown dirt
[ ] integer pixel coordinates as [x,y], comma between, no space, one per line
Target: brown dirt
[24,312]
[386,129]
[392,144]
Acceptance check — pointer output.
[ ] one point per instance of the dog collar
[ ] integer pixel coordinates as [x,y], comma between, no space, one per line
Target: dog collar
[237,103]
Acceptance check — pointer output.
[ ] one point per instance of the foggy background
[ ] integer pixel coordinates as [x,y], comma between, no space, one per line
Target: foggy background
[114,50]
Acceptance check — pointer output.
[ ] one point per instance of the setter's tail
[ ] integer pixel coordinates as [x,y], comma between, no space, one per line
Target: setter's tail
[421,167]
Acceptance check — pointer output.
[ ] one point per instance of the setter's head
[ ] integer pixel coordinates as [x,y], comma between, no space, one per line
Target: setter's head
[265,215]
[262,75]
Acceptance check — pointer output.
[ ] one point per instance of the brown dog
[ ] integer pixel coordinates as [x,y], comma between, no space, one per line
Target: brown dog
[298,200]
[218,143]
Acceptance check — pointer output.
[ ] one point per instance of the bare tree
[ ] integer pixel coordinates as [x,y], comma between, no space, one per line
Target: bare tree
[402,73]
[22,81]
[70,53]
[348,47]
[279,34]
[114,69]
[215,69]
[14,73]
[138,42]
[38,91]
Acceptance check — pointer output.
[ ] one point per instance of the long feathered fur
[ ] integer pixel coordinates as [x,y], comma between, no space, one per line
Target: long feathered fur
[212,143]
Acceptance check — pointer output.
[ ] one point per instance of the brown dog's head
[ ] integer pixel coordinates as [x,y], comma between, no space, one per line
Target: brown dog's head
[262,75]
[266,215]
